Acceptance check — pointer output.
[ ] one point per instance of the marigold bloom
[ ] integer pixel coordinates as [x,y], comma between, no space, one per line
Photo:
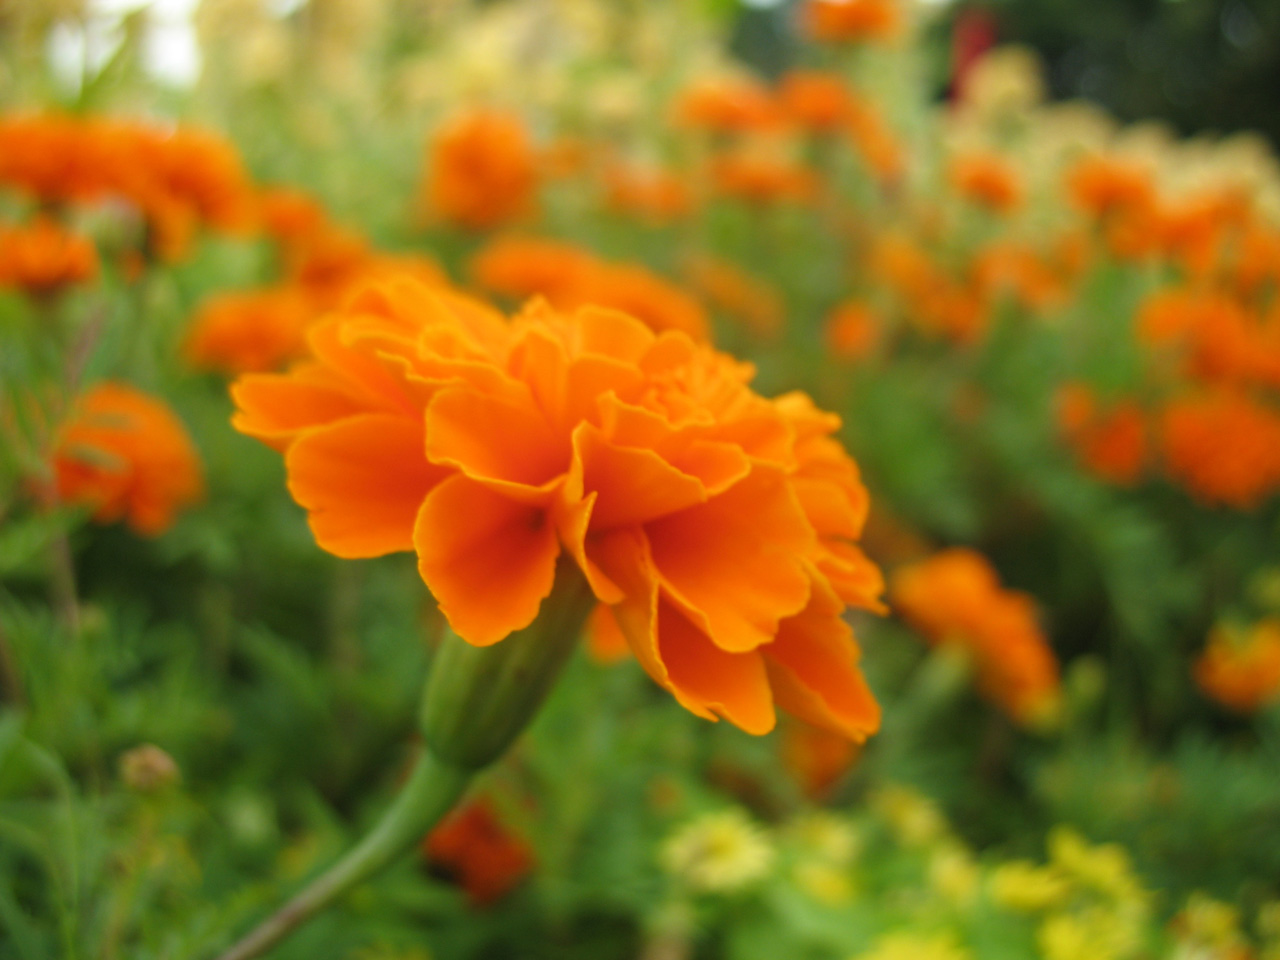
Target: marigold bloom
[1241,669]
[716,525]
[818,102]
[41,257]
[988,180]
[852,21]
[853,330]
[651,194]
[290,217]
[1223,446]
[569,277]
[1112,443]
[126,455]
[955,597]
[483,171]
[730,104]
[762,177]
[473,846]
[248,332]
[875,142]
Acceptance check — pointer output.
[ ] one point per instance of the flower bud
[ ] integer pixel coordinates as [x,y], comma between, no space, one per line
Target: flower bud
[478,699]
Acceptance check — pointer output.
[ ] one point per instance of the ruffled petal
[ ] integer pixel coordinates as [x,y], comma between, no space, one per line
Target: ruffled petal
[632,485]
[489,561]
[362,481]
[494,438]
[275,408]
[734,564]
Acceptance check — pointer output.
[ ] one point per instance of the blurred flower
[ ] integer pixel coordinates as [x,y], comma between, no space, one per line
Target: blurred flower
[717,525]
[1241,668]
[41,258]
[1092,934]
[473,846]
[988,180]
[248,332]
[1023,886]
[953,873]
[828,837]
[650,194]
[148,769]
[823,882]
[915,819]
[731,103]
[853,330]
[916,946]
[762,174]
[720,852]
[955,597]
[482,171]
[1211,926]
[1105,868]
[1112,443]
[1223,446]
[816,757]
[1007,81]
[814,101]
[125,455]
[852,21]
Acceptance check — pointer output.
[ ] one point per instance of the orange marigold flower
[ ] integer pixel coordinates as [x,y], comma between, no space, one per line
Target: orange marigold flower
[1224,446]
[651,194]
[852,21]
[569,277]
[249,332]
[760,176]
[1104,186]
[125,455]
[45,156]
[1241,669]
[474,847]
[988,180]
[955,597]
[41,257]
[290,217]
[853,330]
[936,302]
[1112,443]
[875,142]
[1033,281]
[727,287]
[716,526]
[728,104]
[818,102]
[483,171]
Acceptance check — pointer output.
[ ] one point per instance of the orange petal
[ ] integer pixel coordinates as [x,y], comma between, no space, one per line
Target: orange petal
[632,486]
[734,564]
[605,640]
[362,481]
[707,679]
[275,408]
[813,667]
[489,561]
[492,438]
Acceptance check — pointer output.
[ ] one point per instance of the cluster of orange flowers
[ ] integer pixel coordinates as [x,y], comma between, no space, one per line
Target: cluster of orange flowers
[955,598]
[40,258]
[176,180]
[715,527]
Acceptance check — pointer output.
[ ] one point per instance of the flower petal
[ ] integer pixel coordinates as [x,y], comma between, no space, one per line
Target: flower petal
[275,408]
[489,561]
[632,485]
[494,438]
[362,481]
[733,564]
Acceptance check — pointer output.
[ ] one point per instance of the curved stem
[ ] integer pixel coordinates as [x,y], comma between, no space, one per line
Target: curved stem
[430,792]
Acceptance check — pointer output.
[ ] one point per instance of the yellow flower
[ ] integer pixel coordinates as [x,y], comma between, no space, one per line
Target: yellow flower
[1021,885]
[719,852]
[825,883]
[914,819]
[1210,923]
[1105,868]
[829,838]
[916,946]
[953,874]
[1093,934]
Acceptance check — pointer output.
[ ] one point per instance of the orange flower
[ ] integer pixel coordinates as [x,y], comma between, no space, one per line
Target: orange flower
[570,277]
[1111,443]
[41,257]
[875,142]
[750,300]
[290,217]
[45,156]
[818,102]
[1104,186]
[852,21]
[853,330]
[126,456]
[716,526]
[483,172]
[955,597]
[1035,283]
[248,332]
[654,195]
[1241,669]
[937,303]
[762,177]
[731,104]
[1223,446]
[988,180]
[473,846]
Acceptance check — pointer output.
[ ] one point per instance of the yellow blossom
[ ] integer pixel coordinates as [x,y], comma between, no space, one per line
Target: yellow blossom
[953,874]
[914,819]
[1022,885]
[916,946]
[823,882]
[719,852]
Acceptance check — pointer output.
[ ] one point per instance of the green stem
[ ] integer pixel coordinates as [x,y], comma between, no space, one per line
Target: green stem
[432,789]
